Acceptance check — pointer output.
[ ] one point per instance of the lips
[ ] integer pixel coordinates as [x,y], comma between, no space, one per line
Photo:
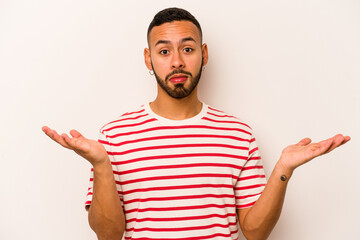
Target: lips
[178,78]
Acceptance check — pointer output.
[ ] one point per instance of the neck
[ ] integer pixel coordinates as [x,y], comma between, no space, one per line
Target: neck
[176,109]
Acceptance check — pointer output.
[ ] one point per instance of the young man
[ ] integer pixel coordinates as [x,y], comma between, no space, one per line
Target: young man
[177,168]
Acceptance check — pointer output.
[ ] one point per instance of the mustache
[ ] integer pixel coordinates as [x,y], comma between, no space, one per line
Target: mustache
[177,71]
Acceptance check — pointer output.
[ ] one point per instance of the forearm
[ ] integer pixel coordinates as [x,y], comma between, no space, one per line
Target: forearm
[263,216]
[106,216]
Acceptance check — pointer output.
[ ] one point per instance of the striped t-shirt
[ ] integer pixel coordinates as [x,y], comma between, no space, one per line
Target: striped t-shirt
[182,179]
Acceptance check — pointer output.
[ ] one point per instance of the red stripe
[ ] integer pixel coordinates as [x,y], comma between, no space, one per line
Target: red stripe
[246,205]
[178,146]
[130,125]
[253,150]
[250,187]
[182,208]
[187,238]
[252,140]
[219,121]
[179,166]
[179,229]
[104,142]
[247,196]
[222,116]
[251,177]
[172,137]
[121,116]
[172,128]
[88,203]
[217,110]
[200,175]
[254,158]
[180,218]
[177,188]
[124,119]
[225,116]
[129,113]
[253,167]
[179,198]
[179,156]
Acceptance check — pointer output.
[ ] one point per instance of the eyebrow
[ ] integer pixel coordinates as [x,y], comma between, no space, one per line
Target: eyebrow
[182,41]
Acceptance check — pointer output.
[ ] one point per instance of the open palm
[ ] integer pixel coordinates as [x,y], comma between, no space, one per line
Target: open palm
[89,149]
[295,155]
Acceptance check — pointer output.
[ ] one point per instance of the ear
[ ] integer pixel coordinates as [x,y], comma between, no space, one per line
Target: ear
[205,55]
[147,58]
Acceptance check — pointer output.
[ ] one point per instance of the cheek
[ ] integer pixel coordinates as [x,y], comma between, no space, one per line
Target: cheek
[160,66]
[195,62]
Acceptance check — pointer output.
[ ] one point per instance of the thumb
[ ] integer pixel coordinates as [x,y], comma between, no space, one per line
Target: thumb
[76,134]
[304,142]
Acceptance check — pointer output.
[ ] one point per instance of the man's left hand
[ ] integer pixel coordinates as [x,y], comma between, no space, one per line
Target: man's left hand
[295,155]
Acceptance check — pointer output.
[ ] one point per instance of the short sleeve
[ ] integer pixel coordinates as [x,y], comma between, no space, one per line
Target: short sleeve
[251,181]
[104,141]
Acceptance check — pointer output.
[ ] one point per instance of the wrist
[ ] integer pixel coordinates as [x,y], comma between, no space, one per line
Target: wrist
[282,171]
[102,166]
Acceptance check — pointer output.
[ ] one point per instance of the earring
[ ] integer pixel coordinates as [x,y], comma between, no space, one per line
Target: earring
[203,68]
[151,72]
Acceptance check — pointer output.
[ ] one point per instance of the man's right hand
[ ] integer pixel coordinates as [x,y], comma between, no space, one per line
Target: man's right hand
[91,150]
[106,216]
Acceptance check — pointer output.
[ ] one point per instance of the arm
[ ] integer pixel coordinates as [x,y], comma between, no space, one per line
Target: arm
[258,221]
[106,216]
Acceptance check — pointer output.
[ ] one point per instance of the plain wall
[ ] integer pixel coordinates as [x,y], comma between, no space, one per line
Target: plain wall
[290,69]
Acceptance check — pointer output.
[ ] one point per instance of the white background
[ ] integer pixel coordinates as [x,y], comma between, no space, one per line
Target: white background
[290,69]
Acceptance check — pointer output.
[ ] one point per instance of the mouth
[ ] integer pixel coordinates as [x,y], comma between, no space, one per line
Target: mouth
[178,78]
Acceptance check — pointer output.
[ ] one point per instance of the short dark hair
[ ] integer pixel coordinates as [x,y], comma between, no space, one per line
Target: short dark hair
[170,15]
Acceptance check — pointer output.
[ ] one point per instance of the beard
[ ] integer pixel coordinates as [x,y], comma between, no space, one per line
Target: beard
[179,91]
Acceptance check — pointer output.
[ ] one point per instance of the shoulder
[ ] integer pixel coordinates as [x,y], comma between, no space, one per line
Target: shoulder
[129,117]
[217,116]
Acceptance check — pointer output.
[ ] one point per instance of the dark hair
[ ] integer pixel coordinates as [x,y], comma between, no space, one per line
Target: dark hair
[170,15]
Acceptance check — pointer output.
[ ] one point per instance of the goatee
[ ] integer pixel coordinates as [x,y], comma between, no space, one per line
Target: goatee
[179,91]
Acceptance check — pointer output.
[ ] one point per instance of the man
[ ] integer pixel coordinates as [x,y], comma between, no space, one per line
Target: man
[177,168]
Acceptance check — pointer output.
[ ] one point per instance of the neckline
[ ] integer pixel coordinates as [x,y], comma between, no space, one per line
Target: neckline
[191,120]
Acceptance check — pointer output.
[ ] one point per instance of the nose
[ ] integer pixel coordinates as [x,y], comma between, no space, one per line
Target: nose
[177,60]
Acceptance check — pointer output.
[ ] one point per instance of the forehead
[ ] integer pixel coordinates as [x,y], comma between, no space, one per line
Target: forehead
[174,32]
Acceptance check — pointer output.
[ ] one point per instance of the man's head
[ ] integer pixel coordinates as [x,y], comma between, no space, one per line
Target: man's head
[176,53]
[170,15]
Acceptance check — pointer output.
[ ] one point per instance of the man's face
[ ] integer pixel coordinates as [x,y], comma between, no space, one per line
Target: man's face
[176,56]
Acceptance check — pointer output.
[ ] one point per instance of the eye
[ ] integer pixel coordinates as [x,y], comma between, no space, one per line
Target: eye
[188,49]
[164,52]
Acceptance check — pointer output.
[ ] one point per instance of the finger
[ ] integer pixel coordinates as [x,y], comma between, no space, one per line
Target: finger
[338,140]
[325,145]
[69,141]
[76,134]
[48,131]
[317,149]
[45,129]
[345,140]
[75,143]
[304,142]
[55,136]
